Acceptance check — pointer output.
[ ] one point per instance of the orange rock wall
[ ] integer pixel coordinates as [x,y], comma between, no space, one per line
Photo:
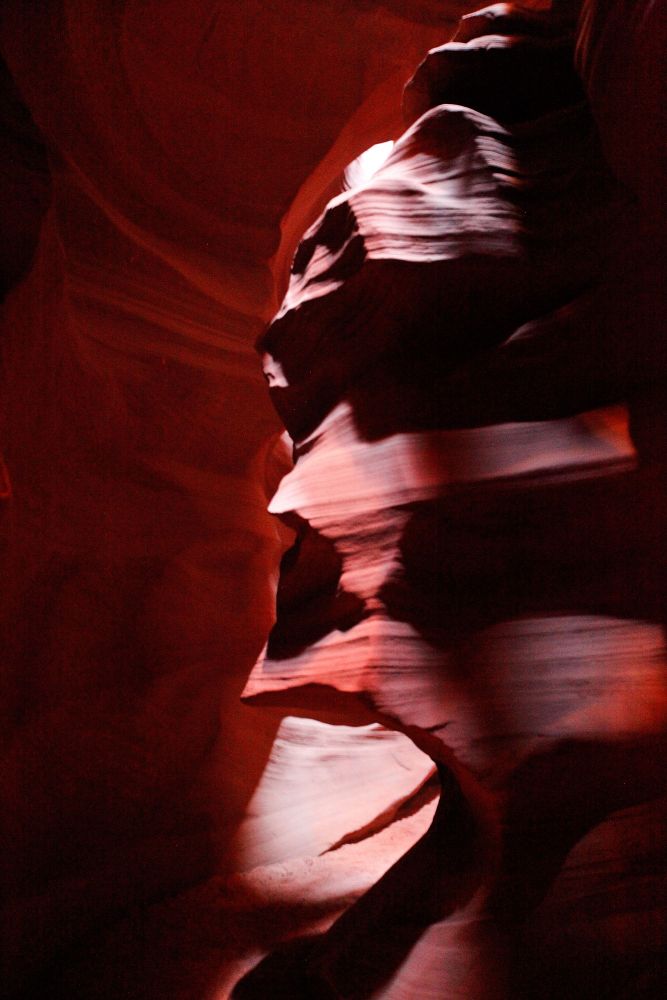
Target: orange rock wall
[138,560]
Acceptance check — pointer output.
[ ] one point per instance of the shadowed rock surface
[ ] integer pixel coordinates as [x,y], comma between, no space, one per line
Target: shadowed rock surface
[513,618]
[495,592]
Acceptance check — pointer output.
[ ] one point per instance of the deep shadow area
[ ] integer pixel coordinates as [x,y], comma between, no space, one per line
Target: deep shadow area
[499,551]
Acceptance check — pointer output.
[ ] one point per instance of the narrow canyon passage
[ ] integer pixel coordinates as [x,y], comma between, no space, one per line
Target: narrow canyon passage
[362,693]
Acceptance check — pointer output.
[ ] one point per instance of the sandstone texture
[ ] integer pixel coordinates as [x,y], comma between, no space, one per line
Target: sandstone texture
[403,734]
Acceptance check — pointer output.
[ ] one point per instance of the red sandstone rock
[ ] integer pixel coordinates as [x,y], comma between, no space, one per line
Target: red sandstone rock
[521,665]
[140,560]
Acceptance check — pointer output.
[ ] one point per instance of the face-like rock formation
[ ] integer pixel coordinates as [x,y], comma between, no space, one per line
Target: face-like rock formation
[470,589]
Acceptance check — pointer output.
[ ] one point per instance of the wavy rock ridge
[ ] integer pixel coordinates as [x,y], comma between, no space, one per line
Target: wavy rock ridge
[468,588]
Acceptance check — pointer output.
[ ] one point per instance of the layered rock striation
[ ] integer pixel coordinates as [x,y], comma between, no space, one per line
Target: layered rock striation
[478,564]
[479,590]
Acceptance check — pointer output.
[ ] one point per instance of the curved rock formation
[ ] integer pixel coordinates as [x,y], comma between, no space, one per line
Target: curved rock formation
[159,838]
[481,601]
[138,559]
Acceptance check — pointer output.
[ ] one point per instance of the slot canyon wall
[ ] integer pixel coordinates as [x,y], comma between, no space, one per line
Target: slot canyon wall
[161,161]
